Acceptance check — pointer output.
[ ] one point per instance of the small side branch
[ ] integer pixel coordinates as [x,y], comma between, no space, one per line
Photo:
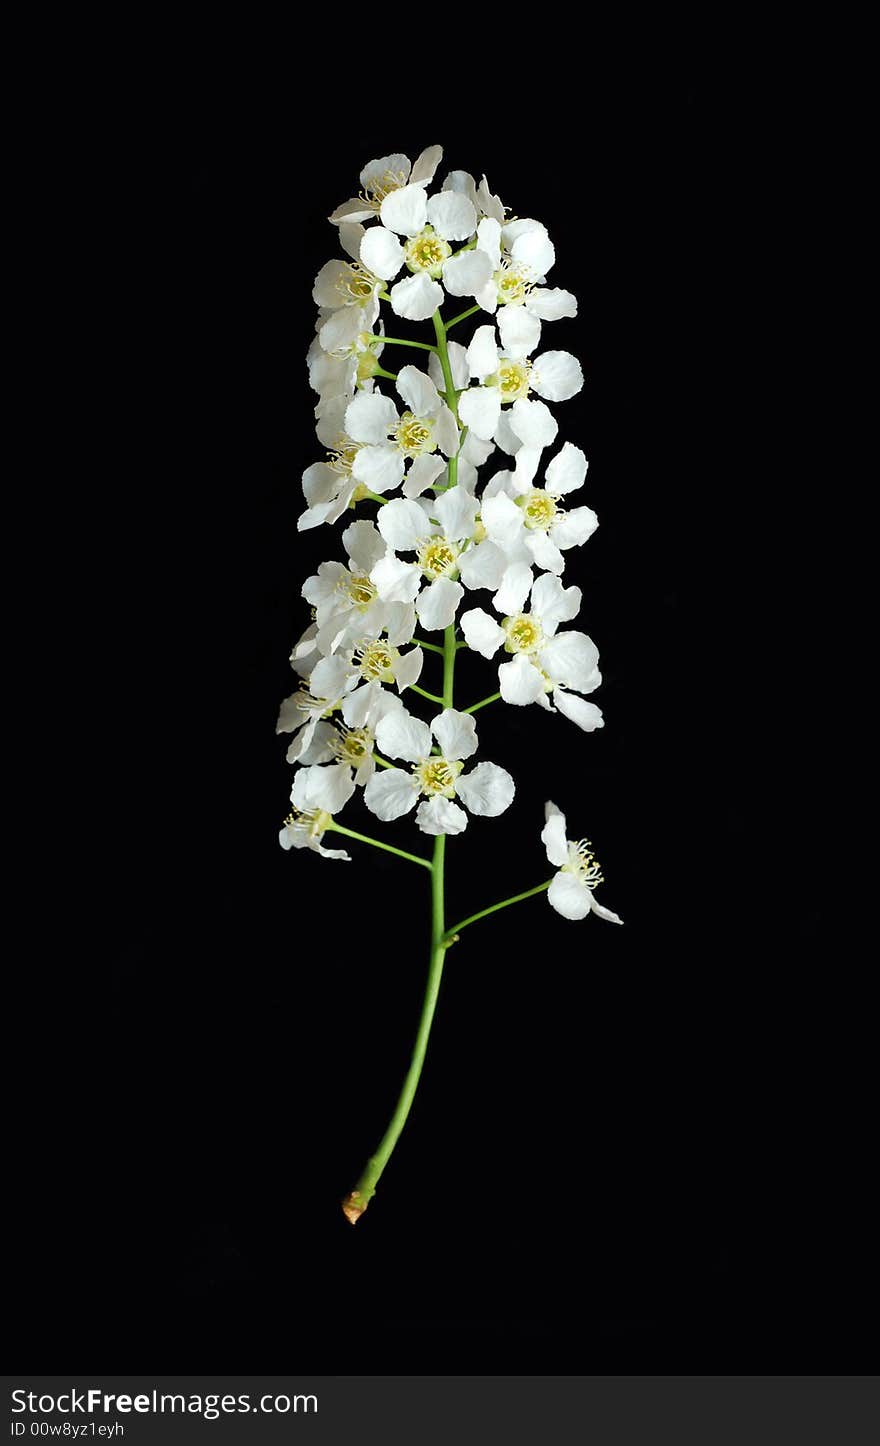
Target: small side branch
[492,698]
[452,934]
[377,844]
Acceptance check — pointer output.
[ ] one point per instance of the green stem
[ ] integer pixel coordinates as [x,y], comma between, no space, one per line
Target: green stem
[462,315]
[492,698]
[377,843]
[399,341]
[431,647]
[381,372]
[452,934]
[423,693]
[443,354]
[356,1202]
[383,762]
[373,496]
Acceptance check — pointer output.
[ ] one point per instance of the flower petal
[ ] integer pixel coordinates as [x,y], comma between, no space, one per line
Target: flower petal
[418,391]
[402,522]
[465,274]
[379,468]
[569,897]
[405,210]
[534,250]
[571,658]
[423,474]
[520,331]
[502,519]
[533,423]
[408,668]
[364,545]
[511,595]
[436,605]
[481,632]
[573,528]
[585,714]
[440,815]
[326,290]
[482,353]
[482,566]
[487,790]
[391,793]
[446,433]
[556,376]
[396,581]
[400,735]
[328,787]
[605,913]
[567,470]
[369,417]
[381,252]
[520,682]
[553,603]
[551,304]
[489,240]
[417,298]
[553,835]
[479,408]
[425,165]
[456,510]
[456,733]
[453,216]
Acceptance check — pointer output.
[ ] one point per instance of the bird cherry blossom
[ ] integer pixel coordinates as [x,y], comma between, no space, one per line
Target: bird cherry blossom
[571,891]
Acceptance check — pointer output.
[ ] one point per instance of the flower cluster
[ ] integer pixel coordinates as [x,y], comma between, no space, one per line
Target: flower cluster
[468,497]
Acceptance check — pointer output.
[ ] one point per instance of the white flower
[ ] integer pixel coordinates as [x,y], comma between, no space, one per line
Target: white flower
[340,757]
[442,533]
[348,608]
[304,830]
[531,524]
[509,376]
[544,661]
[300,714]
[486,790]
[381,177]
[571,892]
[387,441]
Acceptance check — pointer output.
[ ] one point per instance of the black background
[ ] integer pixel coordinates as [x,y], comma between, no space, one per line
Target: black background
[633,1149]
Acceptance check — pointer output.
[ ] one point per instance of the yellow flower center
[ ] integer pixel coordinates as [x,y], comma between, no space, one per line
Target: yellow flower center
[377,660]
[437,557]
[358,590]
[438,775]
[356,284]
[414,435]
[524,634]
[513,380]
[539,509]
[427,252]
[583,863]
[352,745]
[511,284]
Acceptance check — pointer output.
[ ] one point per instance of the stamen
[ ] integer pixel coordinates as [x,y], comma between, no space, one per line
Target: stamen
[539,507]
[356,284]
[358,589]
[377,660]
[352,745]
[513,380]
[312,822]
[524,634]
[414,435]
[512,284]
[583,862]
[375,191]
[427,252]
[438,775]
[437,556]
